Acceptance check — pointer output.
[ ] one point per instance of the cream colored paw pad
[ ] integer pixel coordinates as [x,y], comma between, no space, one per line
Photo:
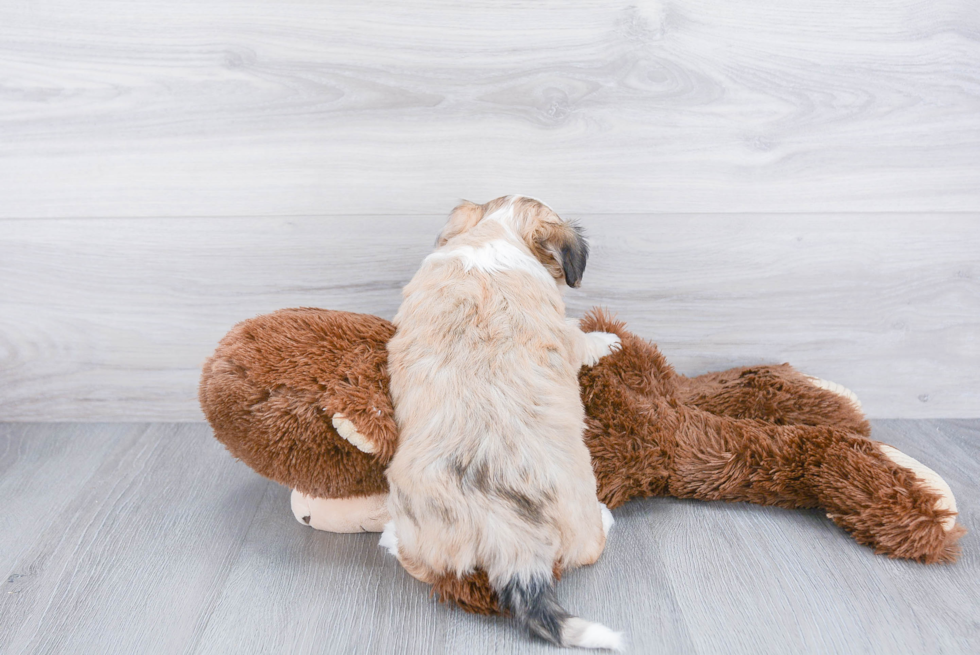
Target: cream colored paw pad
[838,389]
[347,430]
[928,478]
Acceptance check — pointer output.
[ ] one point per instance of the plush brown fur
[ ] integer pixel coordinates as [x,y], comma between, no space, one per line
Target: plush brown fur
[761,434]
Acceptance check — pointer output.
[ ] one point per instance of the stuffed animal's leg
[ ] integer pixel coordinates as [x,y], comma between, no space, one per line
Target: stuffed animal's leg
[777,394]
[355,514]
[911,515]
[885,500]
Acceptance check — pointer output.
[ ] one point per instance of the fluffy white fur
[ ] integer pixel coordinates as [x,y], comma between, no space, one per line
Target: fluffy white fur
[494,257]
[389,540]
[607,519]
[584,634]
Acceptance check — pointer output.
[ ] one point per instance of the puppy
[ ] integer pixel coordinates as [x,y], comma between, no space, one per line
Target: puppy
[491,470]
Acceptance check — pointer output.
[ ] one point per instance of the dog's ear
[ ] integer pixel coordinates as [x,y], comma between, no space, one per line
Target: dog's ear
[566,244]
[464,217]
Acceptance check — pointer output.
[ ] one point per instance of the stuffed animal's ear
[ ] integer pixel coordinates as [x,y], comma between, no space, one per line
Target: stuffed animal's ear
[464,217]
[566,244]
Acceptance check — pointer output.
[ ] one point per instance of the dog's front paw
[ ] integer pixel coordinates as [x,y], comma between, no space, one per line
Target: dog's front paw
[600,345]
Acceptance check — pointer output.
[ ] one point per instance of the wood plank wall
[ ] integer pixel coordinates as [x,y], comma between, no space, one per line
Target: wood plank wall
[794,181]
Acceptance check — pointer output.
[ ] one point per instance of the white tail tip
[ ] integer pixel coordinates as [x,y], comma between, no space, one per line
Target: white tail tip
[585,634]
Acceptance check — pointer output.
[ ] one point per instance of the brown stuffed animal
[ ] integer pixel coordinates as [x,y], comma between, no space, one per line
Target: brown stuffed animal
[301,396]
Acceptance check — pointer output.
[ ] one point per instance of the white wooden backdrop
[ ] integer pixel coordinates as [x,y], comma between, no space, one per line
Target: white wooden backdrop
[764,181]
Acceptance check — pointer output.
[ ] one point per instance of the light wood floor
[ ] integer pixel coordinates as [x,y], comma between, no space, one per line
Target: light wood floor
[150,538]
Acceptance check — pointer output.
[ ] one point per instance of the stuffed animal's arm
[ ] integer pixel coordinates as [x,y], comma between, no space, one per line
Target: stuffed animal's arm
[346,429]
[363,415]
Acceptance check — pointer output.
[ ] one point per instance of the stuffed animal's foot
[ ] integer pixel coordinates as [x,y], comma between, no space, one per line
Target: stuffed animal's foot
[838,389]
[899,506]
[928,479]
[358,514]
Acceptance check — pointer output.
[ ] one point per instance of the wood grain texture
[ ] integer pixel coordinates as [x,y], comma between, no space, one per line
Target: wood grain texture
[228,108]
[134,559]
[743,567]
[110,319]
[30,456]
[337,594]
[160,543]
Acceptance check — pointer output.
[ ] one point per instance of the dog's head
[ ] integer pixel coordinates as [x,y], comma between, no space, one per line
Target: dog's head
[558,244]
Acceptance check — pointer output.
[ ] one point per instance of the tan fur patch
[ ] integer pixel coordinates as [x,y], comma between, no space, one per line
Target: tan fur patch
[462,218]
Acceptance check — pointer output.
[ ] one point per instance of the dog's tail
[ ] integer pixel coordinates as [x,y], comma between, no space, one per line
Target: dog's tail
[532,601]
